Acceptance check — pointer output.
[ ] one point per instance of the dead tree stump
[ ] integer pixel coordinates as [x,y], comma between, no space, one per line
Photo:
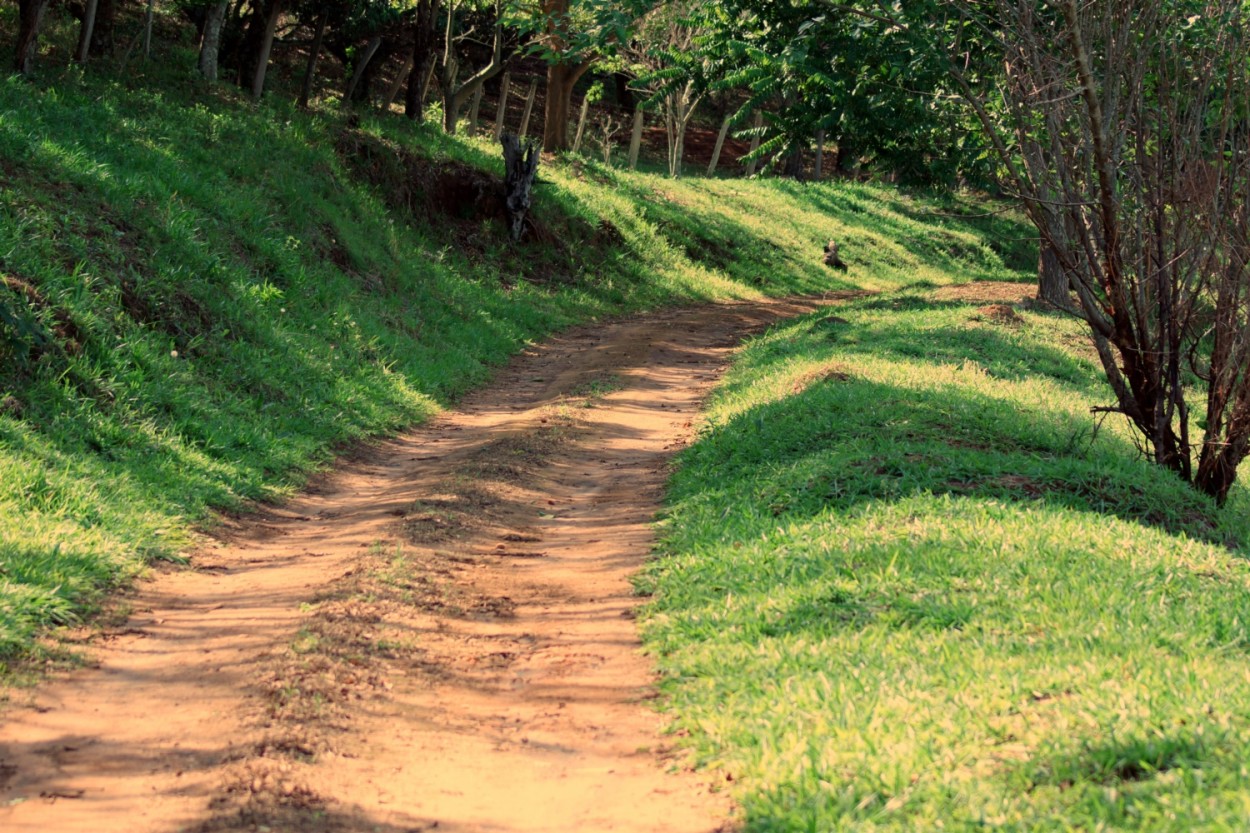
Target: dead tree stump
[520,168]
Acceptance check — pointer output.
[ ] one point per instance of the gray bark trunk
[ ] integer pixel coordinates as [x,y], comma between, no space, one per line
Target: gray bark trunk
[211,45]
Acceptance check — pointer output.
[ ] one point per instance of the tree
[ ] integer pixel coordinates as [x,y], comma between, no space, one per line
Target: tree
[456,94]
[210,43]
[30,17]
[424,52]
[1124,128]
[675,72]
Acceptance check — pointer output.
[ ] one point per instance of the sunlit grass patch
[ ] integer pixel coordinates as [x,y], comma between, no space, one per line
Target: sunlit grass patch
[908,583]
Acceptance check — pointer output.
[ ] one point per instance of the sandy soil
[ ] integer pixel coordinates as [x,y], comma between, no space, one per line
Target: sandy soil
[437,635]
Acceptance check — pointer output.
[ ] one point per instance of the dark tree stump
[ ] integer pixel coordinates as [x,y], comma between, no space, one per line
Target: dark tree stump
[520,168]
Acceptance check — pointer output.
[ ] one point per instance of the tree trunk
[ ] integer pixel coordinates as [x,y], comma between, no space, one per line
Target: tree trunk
[88,29]
[520,167]
[818,168]
[1052,281]
[501,111]
[720,145]
[529,109]
[314,55]
[755,142]
[424,35]
[147,29]
[266,47]
[561,78]
[210,46]
[581,125]
[475,108]
[635,140]
[400,77]
[371,49]
[794,162]
[30,16]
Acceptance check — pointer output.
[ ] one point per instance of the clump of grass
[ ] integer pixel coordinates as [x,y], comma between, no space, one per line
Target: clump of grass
[906,585]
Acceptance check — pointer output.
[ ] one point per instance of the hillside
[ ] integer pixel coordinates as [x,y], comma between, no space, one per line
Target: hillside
[206,299]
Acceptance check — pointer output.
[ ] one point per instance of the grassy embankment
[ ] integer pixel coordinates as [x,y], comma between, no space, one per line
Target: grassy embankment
[906,586]
[206,297]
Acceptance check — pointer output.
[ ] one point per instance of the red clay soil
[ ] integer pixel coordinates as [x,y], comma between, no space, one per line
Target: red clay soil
[437,635]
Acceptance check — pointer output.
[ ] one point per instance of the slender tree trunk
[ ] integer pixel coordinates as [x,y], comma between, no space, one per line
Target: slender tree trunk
[314,55]
[529,108]
[266,47]
[818,169]
[210,46]
[30,17]
[501,111]
[635,139]
[88,29]
[147,29]
[393,91]
[475,108]
[720,145]
[371,49]
[581,124]
[755,142]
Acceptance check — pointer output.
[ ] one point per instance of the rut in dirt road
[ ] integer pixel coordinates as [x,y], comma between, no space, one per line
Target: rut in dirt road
[439,635]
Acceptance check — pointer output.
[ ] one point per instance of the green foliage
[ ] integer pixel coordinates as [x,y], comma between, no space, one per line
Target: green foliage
[905,585]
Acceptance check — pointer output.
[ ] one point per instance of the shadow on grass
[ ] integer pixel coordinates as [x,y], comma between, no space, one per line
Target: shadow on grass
[846,441]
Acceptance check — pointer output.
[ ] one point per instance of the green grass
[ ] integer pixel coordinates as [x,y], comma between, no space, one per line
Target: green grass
[222,299]
[905,585]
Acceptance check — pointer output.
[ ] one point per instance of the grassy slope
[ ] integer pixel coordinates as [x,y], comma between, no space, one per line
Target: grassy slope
[905,587]
[232,300]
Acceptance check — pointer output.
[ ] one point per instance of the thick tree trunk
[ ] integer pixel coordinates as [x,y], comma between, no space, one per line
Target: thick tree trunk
[362,64]
[561,78]
[210,46]
[266,47]
[314,55]
[30,17]
[520,167]
[88,29]
[1052,281]
[424,36]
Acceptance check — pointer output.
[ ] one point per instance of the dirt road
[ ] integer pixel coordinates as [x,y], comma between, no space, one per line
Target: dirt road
[437,635]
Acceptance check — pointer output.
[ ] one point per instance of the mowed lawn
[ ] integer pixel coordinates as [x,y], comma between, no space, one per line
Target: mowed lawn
[908,582]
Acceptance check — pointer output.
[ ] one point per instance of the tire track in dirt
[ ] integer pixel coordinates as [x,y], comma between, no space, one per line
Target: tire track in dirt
[437,635]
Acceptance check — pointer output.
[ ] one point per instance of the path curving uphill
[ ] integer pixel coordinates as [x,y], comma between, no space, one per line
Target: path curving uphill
[437,635]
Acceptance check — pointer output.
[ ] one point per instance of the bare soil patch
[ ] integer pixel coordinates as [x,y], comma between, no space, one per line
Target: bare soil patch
[437,635]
